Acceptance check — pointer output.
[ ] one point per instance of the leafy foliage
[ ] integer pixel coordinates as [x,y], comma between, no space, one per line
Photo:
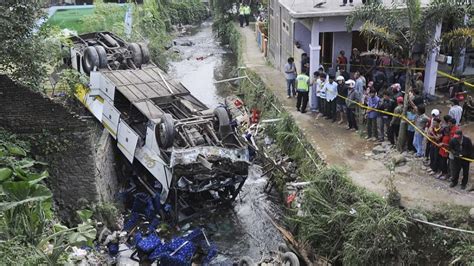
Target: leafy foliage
[25,49]
[26,214]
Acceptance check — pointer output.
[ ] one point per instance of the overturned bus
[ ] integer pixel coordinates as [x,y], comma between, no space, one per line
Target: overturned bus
[180,150]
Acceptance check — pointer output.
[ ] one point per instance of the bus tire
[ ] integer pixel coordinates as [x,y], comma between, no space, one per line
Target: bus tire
[134,49]
[145,53]
[222,122]
[90,59]
[102,56]
[291,258]
[164,132]
[246,261]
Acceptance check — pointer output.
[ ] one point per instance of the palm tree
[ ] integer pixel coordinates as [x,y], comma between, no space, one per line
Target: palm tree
[403,29]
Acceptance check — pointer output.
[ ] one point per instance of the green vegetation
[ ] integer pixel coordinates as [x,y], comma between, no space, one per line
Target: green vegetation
[339,220]
[29,233]
[25,50]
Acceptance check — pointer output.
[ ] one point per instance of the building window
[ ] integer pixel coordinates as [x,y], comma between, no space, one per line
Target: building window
[286,27]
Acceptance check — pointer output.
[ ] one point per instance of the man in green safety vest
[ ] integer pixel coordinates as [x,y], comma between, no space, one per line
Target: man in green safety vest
[247,12]
[302,89]
[241,15]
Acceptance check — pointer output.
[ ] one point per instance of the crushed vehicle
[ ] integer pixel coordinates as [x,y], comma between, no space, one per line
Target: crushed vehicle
[181,152]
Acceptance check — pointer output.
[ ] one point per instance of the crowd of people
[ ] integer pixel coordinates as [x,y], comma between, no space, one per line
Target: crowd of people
[377,101]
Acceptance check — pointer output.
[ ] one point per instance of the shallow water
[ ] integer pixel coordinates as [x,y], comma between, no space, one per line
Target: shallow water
[244,229]
[202,64]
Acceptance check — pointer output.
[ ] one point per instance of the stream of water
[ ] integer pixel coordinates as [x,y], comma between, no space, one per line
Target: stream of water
[245,229]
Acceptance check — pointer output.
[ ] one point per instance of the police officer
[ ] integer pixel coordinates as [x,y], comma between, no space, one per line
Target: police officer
[241,15]
[302,89]
[247,12]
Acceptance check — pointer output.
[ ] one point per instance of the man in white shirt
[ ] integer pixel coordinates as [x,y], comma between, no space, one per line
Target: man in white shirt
[321,93]
[315,83]
[290,75]
[456,111]
[331,94]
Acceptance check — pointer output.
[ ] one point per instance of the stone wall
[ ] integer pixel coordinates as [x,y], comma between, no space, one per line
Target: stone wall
[81,157]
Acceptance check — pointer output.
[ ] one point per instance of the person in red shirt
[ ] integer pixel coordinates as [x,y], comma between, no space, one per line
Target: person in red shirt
[443,154]
[341,59]
[452,128]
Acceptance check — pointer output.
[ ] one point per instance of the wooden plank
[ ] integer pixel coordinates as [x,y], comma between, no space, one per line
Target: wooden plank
[131,96]
[149,109]
[140,95]
[159,88]
[144,76]
[122,80]
[112,78]
[132,77]
[146,89]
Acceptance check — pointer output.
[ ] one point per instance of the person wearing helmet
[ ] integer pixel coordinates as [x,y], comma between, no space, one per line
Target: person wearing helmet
[435,113]
[342,90]
[353,97]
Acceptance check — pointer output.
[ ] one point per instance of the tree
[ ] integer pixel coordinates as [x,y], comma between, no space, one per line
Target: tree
[24,53]
[402,29]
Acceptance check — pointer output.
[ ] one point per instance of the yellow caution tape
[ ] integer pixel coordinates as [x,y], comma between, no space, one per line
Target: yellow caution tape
[401,116]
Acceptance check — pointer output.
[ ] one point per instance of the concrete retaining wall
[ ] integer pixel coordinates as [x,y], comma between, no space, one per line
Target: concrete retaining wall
[81,157]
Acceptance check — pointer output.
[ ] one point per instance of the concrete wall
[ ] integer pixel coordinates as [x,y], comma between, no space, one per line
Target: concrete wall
[281,41]
[274,32]
[303,36]
[81,163]
[341,41]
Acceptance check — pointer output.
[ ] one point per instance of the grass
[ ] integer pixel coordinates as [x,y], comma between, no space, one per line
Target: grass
[71,18]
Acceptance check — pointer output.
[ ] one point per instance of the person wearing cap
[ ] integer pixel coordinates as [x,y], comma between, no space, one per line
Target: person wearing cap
[395,121]
[396,91]
[461,148]
[342,90]
[331,94]
[456,111]
[353,97]
[435,134]
[302,90]
[435,113]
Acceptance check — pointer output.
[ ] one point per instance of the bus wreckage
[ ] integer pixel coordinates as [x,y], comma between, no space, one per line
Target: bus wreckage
[181,151]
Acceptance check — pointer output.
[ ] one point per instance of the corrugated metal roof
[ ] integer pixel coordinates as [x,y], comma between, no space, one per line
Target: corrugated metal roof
[147,83]
[306,9]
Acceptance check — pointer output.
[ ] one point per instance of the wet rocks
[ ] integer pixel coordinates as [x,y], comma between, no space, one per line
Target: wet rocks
[183,43]
[379,149]
[398,159]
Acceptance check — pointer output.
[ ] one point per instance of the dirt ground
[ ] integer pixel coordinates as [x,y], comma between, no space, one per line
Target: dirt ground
[348,149]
